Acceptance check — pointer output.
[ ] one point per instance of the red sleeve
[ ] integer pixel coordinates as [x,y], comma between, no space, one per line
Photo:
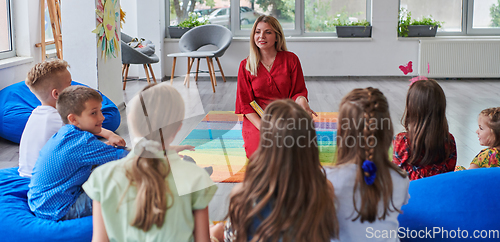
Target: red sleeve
[452,159]
[297,77]
[400,149]
[244,91]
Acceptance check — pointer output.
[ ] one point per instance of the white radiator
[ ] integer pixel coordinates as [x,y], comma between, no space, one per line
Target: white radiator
[459,58]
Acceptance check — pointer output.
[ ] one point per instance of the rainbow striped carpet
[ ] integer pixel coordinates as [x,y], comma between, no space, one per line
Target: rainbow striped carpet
[219,143]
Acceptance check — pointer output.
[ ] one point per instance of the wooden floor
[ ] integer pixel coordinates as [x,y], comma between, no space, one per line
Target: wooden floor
[465,99]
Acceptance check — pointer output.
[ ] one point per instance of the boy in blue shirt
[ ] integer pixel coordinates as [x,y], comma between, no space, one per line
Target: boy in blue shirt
[66,160]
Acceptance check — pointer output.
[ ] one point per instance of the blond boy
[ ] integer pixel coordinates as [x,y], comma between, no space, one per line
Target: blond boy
[66,160]
[47,80]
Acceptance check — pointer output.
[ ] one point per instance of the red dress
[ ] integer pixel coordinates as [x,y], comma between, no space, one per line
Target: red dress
[284,80]
[401,155]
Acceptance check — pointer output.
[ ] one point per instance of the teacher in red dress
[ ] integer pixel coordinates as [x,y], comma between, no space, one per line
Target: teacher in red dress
[270,72]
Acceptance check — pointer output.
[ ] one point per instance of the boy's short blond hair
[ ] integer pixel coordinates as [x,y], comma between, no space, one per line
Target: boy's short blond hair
[72,100]
[40,78]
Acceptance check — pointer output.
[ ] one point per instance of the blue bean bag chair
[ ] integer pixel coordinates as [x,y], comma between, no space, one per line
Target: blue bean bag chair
[18,223]
[17,102]
[453,204]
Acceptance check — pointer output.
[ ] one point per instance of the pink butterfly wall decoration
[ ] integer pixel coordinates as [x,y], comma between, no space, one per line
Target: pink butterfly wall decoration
[407,69]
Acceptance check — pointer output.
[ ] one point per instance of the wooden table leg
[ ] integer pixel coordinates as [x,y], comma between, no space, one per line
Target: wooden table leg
[173,70]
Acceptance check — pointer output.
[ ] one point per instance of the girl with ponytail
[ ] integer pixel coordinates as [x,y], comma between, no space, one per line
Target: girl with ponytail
[147,195]
[369,188]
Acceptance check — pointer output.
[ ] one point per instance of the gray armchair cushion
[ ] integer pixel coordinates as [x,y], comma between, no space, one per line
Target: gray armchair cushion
[200,36]
[132,55]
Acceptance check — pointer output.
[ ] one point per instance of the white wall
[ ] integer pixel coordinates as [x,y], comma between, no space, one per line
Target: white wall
[130,28]
[78,19]
[380,56]
[80,50]
[146,21]
[79,46]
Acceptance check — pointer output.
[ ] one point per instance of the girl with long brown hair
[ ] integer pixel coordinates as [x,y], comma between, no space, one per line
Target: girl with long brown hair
[285,194]
[426,148]
[369,188]
[148,196]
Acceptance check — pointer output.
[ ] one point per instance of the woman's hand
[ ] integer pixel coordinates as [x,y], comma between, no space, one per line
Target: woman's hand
[302,101]
[254,119]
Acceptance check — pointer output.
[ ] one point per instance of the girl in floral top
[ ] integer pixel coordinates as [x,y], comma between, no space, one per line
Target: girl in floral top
[426,148]
[489,135]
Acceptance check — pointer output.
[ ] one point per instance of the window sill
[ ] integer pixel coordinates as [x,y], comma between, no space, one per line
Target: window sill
[298,39]
[450,37]
[14,61]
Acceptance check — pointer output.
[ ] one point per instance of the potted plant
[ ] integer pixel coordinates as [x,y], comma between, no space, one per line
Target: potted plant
[347,25]
[408,27]
[356,29]
[184,26]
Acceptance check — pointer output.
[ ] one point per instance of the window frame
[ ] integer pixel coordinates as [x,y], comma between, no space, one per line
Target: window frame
[12,52]
[467,20]
[298,31]
[476,31]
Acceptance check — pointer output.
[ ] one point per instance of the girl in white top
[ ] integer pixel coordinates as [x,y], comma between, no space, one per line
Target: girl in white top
[151,195]
[369,188]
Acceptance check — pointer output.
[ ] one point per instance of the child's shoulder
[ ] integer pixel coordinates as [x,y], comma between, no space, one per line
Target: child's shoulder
[110,168]
[45,114]
[402,135]
[340,171]
[488,151]
[188,176]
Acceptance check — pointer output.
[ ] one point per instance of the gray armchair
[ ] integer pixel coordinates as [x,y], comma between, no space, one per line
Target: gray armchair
[133,56]
[198,37]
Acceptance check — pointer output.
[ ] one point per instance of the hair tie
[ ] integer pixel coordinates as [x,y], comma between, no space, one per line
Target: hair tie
[417,78]
[150,145]
[369,171]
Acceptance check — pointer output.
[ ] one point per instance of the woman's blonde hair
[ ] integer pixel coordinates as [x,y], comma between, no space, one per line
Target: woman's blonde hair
[255,57]
[156,114]
[364,132]
[285,174]
[493,115]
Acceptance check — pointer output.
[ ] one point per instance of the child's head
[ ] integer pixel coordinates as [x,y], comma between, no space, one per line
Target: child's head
[489,127]
[81,106]
[425,121]
[164,108]
[154,116]
[364,132]
[47,79]
[285,172]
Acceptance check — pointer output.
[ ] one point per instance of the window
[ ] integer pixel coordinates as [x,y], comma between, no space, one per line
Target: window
[6,30]
[460,17]
[318,13]
[297,17]
[216,11]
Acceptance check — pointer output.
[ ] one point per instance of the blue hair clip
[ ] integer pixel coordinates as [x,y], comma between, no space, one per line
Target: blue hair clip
[369,171]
